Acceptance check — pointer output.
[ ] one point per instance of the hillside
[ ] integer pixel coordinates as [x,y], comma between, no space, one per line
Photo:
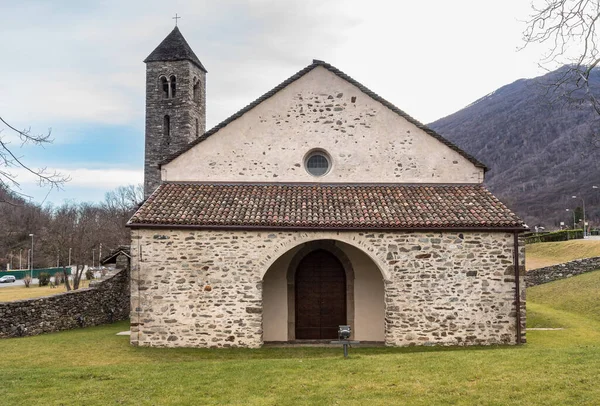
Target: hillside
[540,148]
[551,253]
[578,295]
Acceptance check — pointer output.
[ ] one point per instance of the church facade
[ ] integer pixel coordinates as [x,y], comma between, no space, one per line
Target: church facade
[319,204]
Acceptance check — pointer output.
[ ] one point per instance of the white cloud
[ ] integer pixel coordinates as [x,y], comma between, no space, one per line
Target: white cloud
[83,61]
[105,177]
[69,97]
[73,64]
[86,184]
[86,178]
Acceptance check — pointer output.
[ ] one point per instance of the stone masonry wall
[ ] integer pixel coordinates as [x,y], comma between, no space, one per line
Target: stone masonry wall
[561,271]
[184,111]
[203,288]
[452,288]
[105,303]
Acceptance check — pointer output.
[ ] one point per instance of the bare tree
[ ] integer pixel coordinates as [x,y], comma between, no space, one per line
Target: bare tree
[72,230]
[568,28]
[124,198]
[78,227]
[17,220]
[119,205]
[81,229]
[61,235]
[10,161]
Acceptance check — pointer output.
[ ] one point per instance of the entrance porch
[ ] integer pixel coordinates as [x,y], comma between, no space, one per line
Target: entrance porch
[313,288]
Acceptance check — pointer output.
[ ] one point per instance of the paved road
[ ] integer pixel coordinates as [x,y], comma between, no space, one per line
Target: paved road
[18,282]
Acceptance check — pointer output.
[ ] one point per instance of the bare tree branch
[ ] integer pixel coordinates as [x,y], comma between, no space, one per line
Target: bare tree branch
[569,29]
[27,137]
[9,202]
[9,159]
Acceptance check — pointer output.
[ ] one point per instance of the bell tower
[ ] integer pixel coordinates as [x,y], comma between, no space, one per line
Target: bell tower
[175,103]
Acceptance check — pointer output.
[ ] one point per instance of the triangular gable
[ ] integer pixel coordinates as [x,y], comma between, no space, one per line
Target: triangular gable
[347,78]
[112,256]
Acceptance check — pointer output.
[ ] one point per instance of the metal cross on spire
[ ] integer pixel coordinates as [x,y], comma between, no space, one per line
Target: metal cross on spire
[176,18]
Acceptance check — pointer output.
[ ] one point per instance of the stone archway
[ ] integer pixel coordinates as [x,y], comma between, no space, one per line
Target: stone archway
[296,240]
[365,291]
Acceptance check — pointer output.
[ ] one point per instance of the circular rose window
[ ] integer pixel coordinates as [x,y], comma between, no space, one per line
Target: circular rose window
[317,163]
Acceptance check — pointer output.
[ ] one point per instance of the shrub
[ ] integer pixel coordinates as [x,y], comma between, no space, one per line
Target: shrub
[44,278]
[563,235]
[89,274]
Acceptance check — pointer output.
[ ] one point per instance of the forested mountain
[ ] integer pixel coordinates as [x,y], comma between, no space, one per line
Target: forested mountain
[541,143]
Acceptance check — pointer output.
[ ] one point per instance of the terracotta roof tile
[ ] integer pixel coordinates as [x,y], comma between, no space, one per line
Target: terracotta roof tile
[324,206]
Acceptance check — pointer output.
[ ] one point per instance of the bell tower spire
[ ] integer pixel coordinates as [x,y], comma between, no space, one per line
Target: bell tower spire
[175,103]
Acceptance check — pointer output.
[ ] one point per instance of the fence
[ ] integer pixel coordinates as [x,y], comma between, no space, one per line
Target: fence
[20,274]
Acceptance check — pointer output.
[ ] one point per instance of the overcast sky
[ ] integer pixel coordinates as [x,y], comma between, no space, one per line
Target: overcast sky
[76,66]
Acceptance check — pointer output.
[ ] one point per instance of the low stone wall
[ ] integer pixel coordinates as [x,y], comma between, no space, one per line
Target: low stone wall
[561,271]
[105,303]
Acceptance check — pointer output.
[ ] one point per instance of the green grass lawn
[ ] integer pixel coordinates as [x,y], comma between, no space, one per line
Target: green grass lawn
[93,366]
[19,292]
[551,253]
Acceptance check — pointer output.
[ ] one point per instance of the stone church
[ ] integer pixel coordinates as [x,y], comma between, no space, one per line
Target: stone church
[317,205]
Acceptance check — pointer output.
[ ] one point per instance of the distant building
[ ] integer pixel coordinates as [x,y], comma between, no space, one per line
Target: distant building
[120,258]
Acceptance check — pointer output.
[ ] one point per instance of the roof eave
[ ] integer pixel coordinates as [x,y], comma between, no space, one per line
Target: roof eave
[314,228]
[199,65]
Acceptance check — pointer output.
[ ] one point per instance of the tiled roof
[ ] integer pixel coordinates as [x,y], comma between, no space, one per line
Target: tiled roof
[110,258]
[174,48]
[342,75]
[324,206]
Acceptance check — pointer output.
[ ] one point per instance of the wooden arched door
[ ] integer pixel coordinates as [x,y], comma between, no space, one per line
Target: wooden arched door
[320,296]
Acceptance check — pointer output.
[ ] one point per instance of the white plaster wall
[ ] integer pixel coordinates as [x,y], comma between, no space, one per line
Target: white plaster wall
[369,296]
[275,300]
[367,142]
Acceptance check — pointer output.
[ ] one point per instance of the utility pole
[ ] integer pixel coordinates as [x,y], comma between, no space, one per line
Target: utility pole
[572,211]
[31,235]
[583,204]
